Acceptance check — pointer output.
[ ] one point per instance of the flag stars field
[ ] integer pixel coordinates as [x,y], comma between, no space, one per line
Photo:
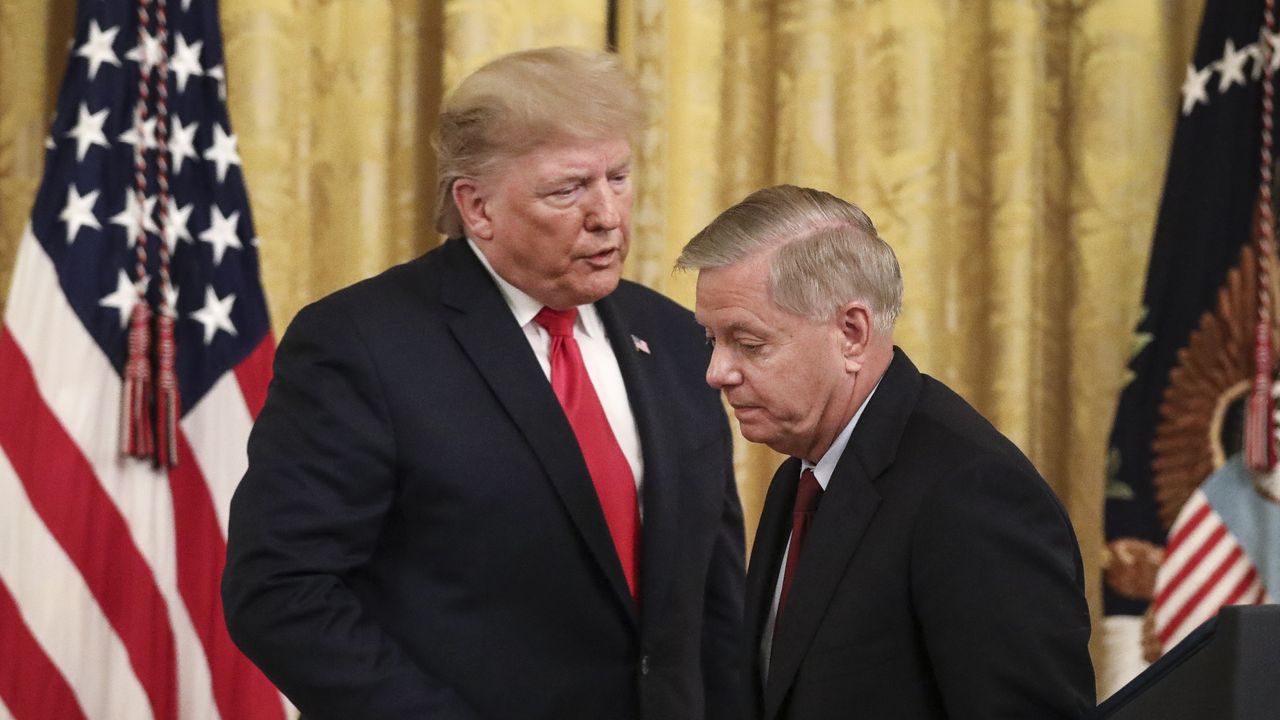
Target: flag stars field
[130,136]
[170,306]
[216,72]
[129,217]
[1231,66]
[88,130]
[146,53]
[182,142]
[1194,90]
[125,296]
[176,224]
[1274,41]
[186,61]
[97,49]
[216,314]
[222,152]
[1230,69]
[221,233]
[78,212]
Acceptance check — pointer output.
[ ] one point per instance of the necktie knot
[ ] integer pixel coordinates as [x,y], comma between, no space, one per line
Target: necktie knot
[559,323]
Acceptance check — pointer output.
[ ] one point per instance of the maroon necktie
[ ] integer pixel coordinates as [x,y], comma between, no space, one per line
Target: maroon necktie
[808,493]
[610,471]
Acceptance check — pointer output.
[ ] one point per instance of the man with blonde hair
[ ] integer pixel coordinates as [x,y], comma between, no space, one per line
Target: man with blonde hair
[490,482]
[909,562]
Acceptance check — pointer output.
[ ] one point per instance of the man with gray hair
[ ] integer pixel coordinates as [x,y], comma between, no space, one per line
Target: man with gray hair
[910,562]
[490,482]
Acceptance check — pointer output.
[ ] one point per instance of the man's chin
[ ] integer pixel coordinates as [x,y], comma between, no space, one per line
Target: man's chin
[761,436]
[597,285]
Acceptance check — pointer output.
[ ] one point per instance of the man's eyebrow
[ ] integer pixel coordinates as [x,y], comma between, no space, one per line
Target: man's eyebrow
[736,326]
[743,327]
[567,177]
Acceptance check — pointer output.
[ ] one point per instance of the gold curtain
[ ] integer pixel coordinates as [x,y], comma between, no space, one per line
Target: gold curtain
[1011,151]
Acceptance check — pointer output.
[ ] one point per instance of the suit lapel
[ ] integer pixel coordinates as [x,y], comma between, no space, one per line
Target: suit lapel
[772,533]
[640,374]
[496,345]
[845,512]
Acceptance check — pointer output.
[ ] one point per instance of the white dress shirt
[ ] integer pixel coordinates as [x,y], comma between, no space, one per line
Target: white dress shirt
[822,471]
[597,355]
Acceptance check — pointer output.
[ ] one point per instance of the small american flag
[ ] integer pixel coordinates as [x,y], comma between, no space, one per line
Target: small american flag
[641,345]
[110,564]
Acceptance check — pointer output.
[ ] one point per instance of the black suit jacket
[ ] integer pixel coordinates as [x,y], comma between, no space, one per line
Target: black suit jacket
[940,577]
[417,535]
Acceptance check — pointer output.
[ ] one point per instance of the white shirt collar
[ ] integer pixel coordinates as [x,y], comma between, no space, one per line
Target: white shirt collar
[525,307]
[827,463]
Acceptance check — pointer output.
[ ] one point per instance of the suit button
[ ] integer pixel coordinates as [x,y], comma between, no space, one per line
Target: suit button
[644,664]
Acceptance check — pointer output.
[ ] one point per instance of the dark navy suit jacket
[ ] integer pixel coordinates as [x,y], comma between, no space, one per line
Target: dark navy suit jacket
[940,577]
[417,535]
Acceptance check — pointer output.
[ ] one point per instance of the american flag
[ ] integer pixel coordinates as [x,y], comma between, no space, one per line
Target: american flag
[1221,551]
[110,565]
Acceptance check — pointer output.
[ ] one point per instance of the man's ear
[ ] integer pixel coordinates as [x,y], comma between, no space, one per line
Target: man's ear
[857,330]
[472,204]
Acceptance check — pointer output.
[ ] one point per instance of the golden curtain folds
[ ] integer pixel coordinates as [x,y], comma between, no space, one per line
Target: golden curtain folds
[1012,152]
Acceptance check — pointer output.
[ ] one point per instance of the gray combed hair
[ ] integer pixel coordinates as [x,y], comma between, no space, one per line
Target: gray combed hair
[827,252]
[523,100]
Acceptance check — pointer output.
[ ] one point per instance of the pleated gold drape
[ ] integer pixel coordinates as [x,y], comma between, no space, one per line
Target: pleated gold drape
[1012,152]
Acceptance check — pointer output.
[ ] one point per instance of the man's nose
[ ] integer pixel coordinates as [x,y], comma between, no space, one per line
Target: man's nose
[720,371]
[605,210]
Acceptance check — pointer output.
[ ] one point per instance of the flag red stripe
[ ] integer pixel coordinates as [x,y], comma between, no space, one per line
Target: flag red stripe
[30,684]
[1194,601]
[239,688]
[1241,587]
[65,493]
[254,373]
[1180,535]
[1192,563]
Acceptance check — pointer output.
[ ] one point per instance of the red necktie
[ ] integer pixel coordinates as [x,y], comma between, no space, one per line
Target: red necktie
[808,493]
[610,472]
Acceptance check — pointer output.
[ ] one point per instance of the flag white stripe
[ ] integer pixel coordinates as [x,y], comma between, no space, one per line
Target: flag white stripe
[74,378]
[218,429]
[4,711]
[60,610]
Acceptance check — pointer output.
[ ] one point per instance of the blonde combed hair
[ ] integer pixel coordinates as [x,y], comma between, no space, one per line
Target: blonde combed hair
[523,100]
[827,252]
